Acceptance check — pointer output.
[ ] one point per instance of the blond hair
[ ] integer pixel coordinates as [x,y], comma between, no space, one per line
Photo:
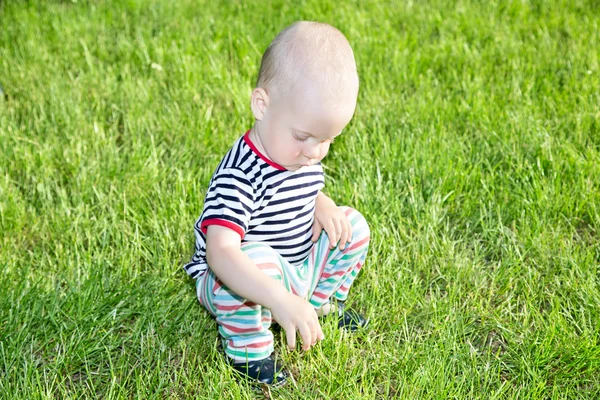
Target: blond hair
[310,50]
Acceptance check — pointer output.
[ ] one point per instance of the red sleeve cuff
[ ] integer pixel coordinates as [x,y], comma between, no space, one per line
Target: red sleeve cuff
[222,222]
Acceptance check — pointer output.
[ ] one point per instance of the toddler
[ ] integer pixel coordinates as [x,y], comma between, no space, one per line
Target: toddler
[270,245]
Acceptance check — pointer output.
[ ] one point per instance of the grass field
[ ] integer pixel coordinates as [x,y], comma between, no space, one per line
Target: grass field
[474,154]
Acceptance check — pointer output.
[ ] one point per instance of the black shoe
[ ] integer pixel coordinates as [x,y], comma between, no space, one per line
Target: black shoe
[267,371]
[348,319]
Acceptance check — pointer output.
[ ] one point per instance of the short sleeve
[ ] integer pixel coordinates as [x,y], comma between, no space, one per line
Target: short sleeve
[229,202]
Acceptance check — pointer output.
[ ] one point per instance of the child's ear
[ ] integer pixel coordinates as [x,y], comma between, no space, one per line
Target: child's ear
[259,103]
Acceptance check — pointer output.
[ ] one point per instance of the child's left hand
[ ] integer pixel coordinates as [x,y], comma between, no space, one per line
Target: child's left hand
[330,217]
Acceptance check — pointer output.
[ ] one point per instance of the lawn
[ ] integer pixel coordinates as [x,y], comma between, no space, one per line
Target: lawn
[474,154]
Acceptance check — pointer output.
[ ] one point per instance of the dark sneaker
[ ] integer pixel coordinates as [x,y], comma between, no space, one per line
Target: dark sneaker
[267,371]
[348,319]
[351,320]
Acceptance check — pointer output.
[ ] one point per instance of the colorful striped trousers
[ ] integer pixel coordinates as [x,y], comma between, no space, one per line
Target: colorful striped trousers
[325,274]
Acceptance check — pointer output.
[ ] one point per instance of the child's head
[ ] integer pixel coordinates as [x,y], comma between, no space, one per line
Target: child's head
[305,95]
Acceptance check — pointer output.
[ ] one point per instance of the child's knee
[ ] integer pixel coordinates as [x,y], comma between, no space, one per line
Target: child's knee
[260,253]
[360,228]
[265,258]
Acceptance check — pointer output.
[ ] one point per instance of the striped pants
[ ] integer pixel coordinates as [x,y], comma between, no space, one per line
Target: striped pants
[244,325]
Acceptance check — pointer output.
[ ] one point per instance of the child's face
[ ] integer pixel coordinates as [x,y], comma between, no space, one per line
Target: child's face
[298,128]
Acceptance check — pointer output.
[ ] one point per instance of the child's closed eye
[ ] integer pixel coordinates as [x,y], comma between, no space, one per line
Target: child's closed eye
[301,139]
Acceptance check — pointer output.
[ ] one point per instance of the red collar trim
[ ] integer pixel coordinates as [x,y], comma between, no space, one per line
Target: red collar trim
[258,153]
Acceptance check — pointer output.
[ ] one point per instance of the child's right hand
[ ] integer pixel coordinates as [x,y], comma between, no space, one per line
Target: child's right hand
[294,313]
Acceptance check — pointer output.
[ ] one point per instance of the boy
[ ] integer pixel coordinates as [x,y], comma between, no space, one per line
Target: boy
[269,244]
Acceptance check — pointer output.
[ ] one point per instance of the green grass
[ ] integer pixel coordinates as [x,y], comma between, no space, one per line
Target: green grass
[474,154]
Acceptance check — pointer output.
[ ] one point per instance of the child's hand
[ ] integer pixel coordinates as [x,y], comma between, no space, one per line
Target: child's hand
[330,217]
[294,313]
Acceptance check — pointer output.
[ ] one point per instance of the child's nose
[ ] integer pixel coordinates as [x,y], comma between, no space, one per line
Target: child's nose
[312,151]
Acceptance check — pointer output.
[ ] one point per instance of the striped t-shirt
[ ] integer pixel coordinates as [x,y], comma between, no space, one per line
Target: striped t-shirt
[262,202]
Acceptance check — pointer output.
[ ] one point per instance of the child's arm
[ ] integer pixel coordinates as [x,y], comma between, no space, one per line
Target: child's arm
[239,273]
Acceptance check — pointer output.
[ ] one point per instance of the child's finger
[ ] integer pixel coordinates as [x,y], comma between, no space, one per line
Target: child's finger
[343,236]
[290,335]
[316,231]
[339,228]
[334,236]
[314,333]
[338,232]
[320,334]
[331,233]
[306,335]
